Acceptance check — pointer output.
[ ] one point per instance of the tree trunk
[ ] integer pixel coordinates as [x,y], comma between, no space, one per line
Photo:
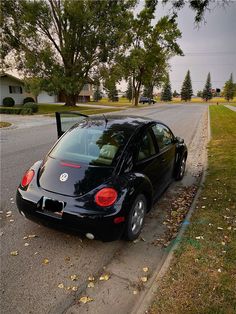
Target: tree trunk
[70,100]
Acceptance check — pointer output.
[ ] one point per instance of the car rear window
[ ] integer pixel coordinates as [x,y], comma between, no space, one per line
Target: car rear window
[93,145]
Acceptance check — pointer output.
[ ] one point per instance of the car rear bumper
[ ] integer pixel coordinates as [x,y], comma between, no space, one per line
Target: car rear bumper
[100,225]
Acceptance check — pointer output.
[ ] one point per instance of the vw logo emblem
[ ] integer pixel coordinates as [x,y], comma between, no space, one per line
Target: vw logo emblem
[63,177]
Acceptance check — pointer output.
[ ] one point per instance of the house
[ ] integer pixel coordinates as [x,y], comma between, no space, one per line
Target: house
[11,86]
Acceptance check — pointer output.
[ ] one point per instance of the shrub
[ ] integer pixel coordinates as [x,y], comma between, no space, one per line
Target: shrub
[31,105]
[8,102]
[28,99]
[10,110]
[26,111]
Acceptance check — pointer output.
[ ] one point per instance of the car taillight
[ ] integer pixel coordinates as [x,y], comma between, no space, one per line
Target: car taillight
[106,197]
[27,178]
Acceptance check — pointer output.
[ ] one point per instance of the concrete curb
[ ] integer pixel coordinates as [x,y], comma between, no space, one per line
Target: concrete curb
[144,302]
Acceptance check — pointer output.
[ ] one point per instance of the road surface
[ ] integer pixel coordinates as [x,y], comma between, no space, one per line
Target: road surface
[28,284]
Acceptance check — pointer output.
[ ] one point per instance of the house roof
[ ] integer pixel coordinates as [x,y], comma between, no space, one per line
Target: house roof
[3,74]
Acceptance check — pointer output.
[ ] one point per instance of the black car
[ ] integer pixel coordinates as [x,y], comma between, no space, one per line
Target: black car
[102,175]
[146,100]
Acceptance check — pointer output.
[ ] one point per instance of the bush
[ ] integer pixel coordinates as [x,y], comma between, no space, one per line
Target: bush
[10,110]
[26,111]
[8,102]
[31,105]
[28,99]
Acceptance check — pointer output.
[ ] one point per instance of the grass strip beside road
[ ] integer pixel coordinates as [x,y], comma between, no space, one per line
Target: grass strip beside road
[202,274]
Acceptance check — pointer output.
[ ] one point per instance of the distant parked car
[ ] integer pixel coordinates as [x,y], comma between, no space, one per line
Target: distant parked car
[146,100]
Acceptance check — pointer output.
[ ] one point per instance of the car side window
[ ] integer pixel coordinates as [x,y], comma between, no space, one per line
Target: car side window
[147,148]
[163,135]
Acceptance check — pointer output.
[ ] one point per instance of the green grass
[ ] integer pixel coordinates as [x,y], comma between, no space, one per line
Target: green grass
[4,124]
[202,274]
[51,108]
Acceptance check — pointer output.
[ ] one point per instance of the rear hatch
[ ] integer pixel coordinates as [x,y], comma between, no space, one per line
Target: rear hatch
[71,179]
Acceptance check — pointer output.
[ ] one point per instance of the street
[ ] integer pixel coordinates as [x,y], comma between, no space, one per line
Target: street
[29,284]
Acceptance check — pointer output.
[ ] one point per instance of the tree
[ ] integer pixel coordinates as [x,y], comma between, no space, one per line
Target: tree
[199,93]
[33,85]
[207,91]
[112,91]
[148,90]
[229,89]
[149,48]
[186,90]
[129,92]
[62,40]
[97,95]
[166,94]
[175,94]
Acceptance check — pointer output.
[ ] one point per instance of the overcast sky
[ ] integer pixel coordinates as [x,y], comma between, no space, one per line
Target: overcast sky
[209,48]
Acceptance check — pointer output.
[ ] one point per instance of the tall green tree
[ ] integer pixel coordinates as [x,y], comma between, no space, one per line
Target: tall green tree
[166,94]
[62,40]
[207,91]
[186,90]
[129,92]
[148,90]
[34,85]
[97,95]
[229,89]
[149,47]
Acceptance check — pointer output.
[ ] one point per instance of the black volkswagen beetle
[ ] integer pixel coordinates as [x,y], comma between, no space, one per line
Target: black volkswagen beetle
[102,175]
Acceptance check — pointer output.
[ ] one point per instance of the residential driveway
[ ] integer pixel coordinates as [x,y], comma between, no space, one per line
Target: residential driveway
[30,280]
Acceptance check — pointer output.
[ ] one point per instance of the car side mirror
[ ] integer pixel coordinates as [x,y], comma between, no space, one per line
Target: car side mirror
[179,140]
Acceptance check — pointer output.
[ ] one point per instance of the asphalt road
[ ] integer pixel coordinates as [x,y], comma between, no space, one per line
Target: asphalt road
[30,286]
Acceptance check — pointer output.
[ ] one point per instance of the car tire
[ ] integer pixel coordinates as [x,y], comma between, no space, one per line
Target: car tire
[181,169]
[135,220]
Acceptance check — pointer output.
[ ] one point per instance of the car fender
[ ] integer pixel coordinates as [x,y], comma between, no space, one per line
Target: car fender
[138,183]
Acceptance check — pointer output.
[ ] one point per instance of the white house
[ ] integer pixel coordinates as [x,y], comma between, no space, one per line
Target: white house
[11,86]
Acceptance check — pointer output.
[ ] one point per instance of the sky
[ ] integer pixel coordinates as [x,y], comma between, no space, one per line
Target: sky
[211,47]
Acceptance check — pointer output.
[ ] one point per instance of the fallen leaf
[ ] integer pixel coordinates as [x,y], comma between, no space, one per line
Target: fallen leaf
[90,284]
[67,258]
[45,261]
[220,228]
[11,220]
[136,241]
[219,270]
[199,238]
[32,236]
[26,244]
[9,212]
[74,288]
[91,278]
[145,269]
[85,300]
[135,292]
[144,279]
[25,238]
[14,253]
[8,215]
[223,243]
[1,212]
[104,277]
[61,286]
[73,277]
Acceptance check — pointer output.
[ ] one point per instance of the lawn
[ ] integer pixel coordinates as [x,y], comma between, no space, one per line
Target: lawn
[202,274]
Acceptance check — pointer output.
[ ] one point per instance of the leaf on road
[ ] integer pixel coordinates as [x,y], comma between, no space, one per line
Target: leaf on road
[144,279]
[85,300]
[220,228]
[26,244]
[11,220]
[45,261]
[73,277]
[91,278]
[104,277]
[200,238]
[74,288]
[61,286]
[25,237]
[14,253]
[9,212]
[32,236]
[90,284]
[145,269]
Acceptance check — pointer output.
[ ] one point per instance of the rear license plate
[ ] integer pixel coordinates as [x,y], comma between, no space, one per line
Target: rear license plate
[53,206]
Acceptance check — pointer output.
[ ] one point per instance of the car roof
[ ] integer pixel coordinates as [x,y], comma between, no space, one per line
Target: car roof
[129,122]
